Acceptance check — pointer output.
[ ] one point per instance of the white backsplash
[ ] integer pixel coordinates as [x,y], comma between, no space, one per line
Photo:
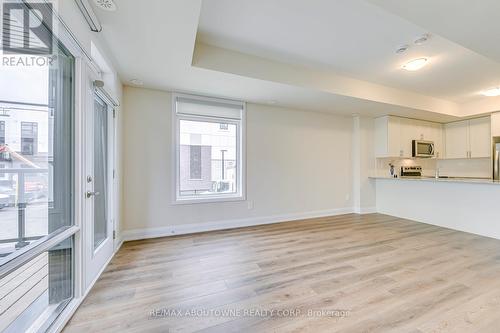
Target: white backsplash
[428,165]
[478,167]
[474,167]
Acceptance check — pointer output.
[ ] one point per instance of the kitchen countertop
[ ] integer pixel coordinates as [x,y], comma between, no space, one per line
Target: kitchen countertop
[443,180]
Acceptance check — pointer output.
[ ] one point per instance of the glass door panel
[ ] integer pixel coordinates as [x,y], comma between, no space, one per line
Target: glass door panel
[99,182]
[100,171]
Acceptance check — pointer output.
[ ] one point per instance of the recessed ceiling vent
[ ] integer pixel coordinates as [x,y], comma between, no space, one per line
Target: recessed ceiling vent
[402,49]
[422,39]
[108,5]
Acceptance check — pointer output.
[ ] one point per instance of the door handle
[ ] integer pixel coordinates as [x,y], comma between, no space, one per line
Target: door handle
[90,194]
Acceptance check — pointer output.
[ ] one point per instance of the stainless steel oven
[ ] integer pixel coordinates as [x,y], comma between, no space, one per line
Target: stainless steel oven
[423,148]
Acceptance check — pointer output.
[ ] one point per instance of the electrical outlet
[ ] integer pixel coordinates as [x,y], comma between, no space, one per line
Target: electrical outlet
[250,204]
[347,197]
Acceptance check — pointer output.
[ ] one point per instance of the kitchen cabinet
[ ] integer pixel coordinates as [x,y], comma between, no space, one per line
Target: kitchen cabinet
[394,135]
[389,132]
[408,132]
[422,130]
[480,137]
[468,138]
[387,137]
[461,139]
[495,124]
[456,137]
[436,135]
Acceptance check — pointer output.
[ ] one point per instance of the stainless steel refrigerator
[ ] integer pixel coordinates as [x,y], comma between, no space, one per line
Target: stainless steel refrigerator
[496,162]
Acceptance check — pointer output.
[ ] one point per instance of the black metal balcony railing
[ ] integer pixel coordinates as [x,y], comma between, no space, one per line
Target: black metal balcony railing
[21,200]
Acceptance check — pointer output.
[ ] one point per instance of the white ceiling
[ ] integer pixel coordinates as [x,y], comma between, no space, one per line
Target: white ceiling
[354,38]
[473,24]
[339,41]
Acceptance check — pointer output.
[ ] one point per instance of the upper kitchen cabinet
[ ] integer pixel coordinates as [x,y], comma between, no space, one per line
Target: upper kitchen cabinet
[394,136]
[495,124]
[428,131]
[480,137]
[468,138]
[387,133]
[457,139]
[436,135]
[409,131]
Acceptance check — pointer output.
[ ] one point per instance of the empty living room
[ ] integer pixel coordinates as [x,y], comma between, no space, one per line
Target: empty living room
[249,166]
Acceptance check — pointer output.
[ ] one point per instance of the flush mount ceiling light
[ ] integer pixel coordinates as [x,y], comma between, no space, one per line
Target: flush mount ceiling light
[415,64]
[137,82]
[492,92]
[108,5]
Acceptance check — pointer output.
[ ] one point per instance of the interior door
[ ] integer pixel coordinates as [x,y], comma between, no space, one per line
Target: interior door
[99,185]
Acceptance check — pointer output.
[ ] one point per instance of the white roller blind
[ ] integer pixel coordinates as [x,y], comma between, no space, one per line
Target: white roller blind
[197,106]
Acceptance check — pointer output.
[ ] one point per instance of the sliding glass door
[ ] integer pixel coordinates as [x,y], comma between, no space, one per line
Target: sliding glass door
[37,231]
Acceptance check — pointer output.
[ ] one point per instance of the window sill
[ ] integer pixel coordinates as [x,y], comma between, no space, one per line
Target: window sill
[212,199]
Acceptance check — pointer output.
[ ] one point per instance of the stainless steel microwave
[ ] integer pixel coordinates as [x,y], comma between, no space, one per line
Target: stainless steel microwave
[423,148]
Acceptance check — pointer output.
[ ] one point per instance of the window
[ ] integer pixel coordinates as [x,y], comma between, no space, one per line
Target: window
[209,149]
[2,132]
[29,138]
[39,288]
[37,225]
[195,162]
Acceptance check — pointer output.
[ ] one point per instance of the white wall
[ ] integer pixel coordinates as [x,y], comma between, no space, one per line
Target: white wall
[363,164]
[298,164]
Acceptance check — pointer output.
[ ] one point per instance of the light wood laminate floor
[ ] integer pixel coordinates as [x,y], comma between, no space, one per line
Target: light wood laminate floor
[387,274]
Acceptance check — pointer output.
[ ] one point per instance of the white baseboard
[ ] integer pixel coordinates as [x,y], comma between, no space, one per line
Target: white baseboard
[365,210]
[135,234]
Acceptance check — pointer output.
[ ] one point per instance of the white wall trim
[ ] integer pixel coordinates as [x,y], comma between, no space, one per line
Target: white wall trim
[182,229]
[365,210]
